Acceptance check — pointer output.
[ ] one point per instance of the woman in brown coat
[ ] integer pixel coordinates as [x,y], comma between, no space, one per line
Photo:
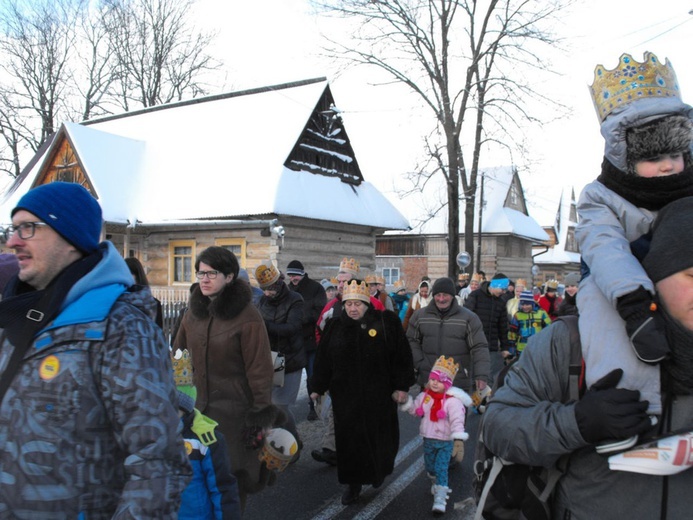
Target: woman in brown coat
[232,364]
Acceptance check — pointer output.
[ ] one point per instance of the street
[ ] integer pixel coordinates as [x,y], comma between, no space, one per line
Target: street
[309,489]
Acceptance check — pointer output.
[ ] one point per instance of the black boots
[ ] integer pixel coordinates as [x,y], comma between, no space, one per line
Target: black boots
[325,455]
[351,494]
[312,415]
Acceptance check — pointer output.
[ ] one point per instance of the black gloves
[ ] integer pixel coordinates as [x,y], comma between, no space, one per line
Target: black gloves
[644,325]
[607,413]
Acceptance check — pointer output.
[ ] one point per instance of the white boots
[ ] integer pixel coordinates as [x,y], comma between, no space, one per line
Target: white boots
[440,498]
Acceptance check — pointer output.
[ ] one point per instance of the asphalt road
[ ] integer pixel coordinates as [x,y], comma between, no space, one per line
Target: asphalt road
[308,490]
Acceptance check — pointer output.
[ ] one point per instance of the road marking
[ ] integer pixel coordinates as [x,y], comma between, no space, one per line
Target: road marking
[386,495]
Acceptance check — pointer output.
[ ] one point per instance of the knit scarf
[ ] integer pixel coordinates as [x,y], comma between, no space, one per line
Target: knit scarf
[678,367]
[19,299]
[437,411]
[651,193]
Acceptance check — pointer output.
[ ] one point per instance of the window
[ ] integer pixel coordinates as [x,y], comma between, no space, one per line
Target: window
[182,254]
[570,242]
[391,275]
[235,245]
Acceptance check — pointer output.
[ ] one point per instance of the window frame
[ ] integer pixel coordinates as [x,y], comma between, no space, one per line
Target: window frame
[172,245]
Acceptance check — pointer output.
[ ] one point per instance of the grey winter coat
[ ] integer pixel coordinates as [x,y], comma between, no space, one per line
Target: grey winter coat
[458,334]
[526,423]
[608,223]
[89,427]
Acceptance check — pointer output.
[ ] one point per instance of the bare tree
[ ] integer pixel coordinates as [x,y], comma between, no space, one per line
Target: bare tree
[469,62]
[159,55]
[35,45]
[70,60]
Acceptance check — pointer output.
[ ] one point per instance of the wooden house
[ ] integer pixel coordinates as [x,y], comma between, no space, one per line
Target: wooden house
[268,173]
[560,255]
[505,236]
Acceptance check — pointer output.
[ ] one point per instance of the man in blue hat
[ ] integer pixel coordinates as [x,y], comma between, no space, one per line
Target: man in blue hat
[88,416]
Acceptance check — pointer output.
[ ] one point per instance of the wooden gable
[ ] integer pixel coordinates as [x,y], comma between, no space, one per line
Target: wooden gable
[323,147]
[515,198]
[63,165]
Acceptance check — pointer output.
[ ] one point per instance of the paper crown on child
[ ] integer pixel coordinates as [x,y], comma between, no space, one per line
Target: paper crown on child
[552,284]
[521,281]
[631,80]
[399,285]
[349,265]
[356,291]
[445,369]
[278,449]
[183,378]
[266,274]
[371,279]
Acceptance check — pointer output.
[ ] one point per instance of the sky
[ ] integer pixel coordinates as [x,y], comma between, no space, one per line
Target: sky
[266,42]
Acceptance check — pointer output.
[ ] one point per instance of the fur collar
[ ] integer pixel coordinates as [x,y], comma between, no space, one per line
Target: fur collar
[231,301]
[460,394]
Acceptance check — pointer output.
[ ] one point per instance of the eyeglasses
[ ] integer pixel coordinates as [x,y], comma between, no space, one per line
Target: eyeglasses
[209,274]
[26,230]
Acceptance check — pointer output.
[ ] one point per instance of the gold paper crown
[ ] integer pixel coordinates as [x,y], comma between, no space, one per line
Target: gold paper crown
[349,265]
[356,291]
[266,274]
[463,276]
[371,279]
[334,281]
[446,366]
[521,281]
[476,277]
[182,369]
[553,284]
[380,279]
[399,285]
[631,80]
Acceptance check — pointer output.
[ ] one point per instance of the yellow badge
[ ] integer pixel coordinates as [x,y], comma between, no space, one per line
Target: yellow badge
[49,368]
[372,333]
[188,448]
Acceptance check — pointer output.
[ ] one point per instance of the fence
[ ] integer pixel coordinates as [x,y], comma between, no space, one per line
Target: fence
[173,301]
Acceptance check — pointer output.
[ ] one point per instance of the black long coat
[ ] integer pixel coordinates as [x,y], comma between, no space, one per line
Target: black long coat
[362,363]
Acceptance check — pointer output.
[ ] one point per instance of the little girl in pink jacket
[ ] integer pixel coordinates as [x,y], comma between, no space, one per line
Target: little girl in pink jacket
[442,408]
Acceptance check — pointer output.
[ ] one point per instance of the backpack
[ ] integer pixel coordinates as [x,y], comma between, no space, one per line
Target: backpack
[504,490]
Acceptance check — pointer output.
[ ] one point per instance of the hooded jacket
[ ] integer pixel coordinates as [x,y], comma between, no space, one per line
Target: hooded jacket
[232,370]
[92,410]
[531,421]
[283,315]
[458,333]
[492,312]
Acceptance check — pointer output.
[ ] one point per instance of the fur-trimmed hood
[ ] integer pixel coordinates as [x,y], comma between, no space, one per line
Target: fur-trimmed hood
[229,304]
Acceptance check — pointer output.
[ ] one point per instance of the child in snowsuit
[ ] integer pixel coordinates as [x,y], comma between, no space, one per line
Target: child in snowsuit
[647,164]
[441,407]
[213,491]
[527,321]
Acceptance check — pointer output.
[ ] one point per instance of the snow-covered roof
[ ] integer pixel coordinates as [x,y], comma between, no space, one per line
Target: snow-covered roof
[563,223]
[497,217]
[217,157]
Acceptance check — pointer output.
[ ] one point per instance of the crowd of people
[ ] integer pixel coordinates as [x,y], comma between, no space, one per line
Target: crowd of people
[101,418]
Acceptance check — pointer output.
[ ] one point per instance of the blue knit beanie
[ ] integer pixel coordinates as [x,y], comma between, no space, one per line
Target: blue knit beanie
[69,209]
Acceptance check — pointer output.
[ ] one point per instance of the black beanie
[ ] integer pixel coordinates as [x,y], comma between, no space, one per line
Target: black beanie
[443,285]
[295,267]
[671,249]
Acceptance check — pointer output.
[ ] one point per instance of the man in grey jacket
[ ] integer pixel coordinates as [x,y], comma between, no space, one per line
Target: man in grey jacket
[89,424]
[444,328]
[531,421]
